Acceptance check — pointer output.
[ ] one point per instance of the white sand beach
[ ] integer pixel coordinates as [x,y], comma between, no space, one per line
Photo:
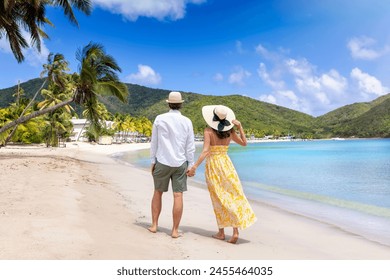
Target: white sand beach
[79,203]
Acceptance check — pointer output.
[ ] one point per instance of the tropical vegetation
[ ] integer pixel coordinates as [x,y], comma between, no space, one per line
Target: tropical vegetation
[41,110]
[369,119]
[17,16]
[97,76]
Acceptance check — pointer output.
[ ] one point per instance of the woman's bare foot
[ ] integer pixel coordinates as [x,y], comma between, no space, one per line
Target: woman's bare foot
[234,238]
[220,235]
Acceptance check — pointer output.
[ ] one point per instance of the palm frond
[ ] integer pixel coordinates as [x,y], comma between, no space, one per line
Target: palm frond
[83,5]
[110,88]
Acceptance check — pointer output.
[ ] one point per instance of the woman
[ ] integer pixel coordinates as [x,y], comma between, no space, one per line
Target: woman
[230,205]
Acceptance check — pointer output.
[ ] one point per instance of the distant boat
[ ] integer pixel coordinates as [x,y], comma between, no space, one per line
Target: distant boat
[338,139]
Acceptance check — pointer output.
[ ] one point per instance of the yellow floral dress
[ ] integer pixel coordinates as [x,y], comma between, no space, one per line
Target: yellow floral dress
[231,207]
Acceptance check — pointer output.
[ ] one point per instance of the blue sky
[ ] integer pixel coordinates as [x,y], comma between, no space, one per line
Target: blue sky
[308,55]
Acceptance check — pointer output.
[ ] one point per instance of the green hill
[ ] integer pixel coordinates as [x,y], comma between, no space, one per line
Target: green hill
[370,119]
[30,87]
[261,116]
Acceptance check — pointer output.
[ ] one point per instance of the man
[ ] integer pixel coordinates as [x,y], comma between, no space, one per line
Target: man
[172,154]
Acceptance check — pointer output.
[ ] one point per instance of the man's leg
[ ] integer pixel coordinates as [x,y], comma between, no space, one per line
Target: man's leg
[179,185]
[156,210]
[177,213]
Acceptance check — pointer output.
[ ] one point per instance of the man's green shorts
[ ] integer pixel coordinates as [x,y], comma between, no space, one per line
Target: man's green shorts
[162,174]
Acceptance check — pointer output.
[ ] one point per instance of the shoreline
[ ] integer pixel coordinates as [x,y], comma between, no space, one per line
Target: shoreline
[339,213]
[79,202]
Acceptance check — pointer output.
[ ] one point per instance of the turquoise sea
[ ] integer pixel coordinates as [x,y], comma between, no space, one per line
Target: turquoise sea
[343,183]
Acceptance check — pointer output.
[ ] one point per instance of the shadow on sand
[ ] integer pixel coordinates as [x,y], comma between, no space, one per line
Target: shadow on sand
[193,230]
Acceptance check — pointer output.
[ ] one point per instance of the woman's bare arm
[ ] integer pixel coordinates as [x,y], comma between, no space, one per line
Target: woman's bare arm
[241,140]
[203,154]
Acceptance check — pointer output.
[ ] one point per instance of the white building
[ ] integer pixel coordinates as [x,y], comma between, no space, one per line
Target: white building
[79,128]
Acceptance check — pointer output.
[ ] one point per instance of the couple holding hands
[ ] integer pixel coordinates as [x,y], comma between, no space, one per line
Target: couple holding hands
[172,156]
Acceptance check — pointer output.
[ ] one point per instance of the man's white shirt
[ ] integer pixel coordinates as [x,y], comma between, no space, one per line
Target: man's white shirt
[173,140]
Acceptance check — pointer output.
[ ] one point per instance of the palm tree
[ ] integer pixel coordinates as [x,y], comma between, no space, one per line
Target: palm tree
[58,121]
[24,132]
[145,126]
[55,71]
[58,126]
[30,15]
[120,124]
[97,77]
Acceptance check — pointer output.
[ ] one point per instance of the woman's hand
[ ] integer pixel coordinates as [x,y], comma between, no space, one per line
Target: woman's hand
[191,171]
[236,123]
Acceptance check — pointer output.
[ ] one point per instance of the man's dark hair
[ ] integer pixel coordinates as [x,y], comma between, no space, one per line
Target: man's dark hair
[175,106]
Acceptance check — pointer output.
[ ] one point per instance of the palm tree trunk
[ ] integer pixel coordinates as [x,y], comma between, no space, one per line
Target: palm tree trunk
[35,114]
[24,111]
[82,129]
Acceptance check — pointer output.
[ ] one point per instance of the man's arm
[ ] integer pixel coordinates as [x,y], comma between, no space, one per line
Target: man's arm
[153,144]
[190,149]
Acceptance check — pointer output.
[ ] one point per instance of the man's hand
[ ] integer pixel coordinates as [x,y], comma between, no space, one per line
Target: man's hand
[191,172]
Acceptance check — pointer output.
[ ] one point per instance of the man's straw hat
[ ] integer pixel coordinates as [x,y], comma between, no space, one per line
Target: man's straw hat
[175,97]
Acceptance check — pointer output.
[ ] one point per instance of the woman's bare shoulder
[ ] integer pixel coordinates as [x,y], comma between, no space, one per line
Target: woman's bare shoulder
[208,130]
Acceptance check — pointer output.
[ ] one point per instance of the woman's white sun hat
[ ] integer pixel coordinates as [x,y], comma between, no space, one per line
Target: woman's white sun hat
[218,117]
[175,97]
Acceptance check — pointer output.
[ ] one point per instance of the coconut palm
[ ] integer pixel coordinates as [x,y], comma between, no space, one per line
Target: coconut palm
[97,76]
[120,124]
[55,73]
[27,132]
[58,121]
[58,125]
[30,15]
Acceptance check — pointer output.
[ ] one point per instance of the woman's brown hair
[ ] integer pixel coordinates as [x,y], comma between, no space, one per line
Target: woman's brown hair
[223,134]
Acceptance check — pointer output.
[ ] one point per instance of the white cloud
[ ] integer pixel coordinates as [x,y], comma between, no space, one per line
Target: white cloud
[281,94]
[289,94]
[4,45]
[299,68]
[323,88]
[35,58]
[368,84]
[361,48]
[322,97]
[334,81]
[265,76]
[297,84]
[161,9]
[239,76]
[308,84]
[145,76]
[267,54]
[288,99]
[32,56]
[268,98]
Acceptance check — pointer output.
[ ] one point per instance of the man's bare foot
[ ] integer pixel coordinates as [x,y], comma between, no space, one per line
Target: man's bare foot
[152,229]
[175,234]
[234,239]
[219,236]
